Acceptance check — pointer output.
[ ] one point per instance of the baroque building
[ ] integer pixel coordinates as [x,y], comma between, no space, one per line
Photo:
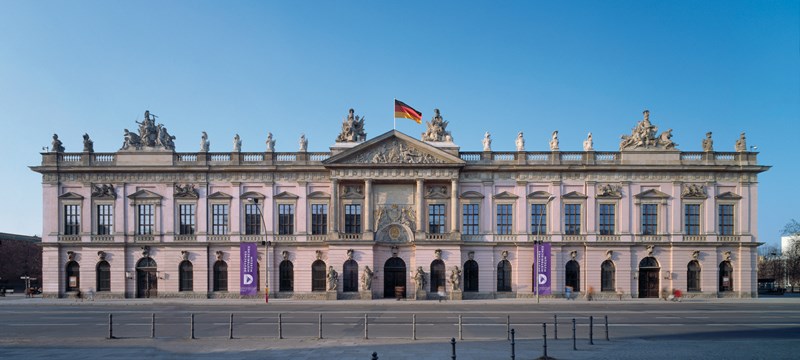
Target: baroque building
[397,216]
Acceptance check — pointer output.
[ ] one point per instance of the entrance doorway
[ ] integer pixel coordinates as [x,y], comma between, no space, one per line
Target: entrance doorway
[648,277]
[146,278]
[394,277]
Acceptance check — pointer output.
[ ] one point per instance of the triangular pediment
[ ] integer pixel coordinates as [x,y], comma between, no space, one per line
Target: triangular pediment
[319,195]
[71,196]
[472,195]
[287,195]
[145,195]
[505,195]
[219,195]
[728,196]
[393,148]
[574,195]
[540,195]
[652,194]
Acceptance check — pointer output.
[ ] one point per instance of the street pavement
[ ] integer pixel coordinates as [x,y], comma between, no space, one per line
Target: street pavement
[765,328]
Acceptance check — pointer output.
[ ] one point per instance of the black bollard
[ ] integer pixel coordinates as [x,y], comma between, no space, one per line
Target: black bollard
[574,346]
[191,327]
[153,326]
[460,332]
[591,330]
[280,326]
[374,355]
[414,327]
[513,354]
[110,327]
[320,326]
[607,328]
[366,332]
[453,343]
[544,335]
[555,327]
[230,328]
[508,327]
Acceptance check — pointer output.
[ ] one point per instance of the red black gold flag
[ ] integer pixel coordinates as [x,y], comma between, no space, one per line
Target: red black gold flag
[401,110]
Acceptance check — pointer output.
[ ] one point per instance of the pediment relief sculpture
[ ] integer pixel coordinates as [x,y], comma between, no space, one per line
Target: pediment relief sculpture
[437,129]
[437,192]
[144,195]
[652,194]
[395,152]
[574,195]
[287,195]
[395,214]
[728,196]
[103,191]
[505,195]
[352,129]
[220,195]
[186,191]
[70,196]
[609,191]
[471,195]
[352,192]
[643,135]
[150,136]
[695,191]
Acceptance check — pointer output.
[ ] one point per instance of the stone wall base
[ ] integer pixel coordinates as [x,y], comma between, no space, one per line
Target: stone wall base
[456,295]
[365,294]
[421,294]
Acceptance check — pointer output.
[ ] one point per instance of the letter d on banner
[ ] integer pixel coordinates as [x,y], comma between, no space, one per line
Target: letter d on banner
[248,270]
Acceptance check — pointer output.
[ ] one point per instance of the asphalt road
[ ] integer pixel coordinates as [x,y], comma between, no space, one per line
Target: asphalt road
[766,325]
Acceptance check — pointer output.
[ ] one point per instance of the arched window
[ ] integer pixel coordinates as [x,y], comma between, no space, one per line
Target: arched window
[693,276]
[504,276]
[437,275]
[471,275]
[103,272]
[318,276]
[73,276]
[185,276]
[573,275]
[220,276]
[286,276]
[725,276]
[350,276]
[607,274]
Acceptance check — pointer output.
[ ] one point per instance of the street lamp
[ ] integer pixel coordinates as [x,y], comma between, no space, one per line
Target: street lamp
[536,243]
[266,247]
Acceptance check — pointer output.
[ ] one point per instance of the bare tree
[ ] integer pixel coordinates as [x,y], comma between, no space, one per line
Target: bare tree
[792,256]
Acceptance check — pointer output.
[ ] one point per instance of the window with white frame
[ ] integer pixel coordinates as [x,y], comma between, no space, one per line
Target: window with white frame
[72,219]
[145,214]
[352,218]
[538,219]
[436,218]
[606,218]
[505,219]
[219,219]
[691,219]
[285,219]
[252,219]
[319,219]
[186,217]
[725,213]
[572,219]
[471,219]
[104,214]
[649,217]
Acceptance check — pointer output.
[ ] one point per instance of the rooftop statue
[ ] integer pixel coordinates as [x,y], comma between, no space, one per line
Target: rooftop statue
[270,142]
[303,143]
[237,143]
[487,142]
[437,129]
[708,144]
[352,129]
[520,142]
[741,144]
[57,146]
[554,141]
[150,135]
[643,135]
[588,144]
[204,143]
[88,144]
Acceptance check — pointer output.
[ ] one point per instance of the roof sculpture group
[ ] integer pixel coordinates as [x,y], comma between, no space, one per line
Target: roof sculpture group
[644,136]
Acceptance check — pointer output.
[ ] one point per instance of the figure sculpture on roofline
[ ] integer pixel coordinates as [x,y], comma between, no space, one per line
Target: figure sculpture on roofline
[352,129]
[437,129]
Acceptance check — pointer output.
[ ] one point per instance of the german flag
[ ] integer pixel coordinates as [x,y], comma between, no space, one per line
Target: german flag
[401,110]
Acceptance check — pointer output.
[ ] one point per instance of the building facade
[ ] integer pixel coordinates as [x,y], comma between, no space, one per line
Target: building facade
[399,216]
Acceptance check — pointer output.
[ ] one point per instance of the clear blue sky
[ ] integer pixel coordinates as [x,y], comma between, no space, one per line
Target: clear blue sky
[289,67]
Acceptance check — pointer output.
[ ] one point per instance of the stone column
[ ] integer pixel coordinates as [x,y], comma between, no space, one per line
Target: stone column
[367,205]
[334,206]
[420,190]
[454,206]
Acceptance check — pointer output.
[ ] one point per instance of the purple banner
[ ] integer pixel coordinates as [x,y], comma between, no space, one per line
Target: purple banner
[542,263]
[248,275]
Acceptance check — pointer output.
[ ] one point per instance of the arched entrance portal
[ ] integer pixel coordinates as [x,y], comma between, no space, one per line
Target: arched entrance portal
[146,278]
[394,276]
[648,277]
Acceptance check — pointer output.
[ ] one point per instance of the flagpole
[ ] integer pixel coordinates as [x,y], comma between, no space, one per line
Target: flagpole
[394,117]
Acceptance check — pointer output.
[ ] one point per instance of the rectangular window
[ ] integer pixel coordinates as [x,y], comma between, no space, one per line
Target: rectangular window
[726,220]
[219,219]
[691,219]
[285,219]
[436,218]
[187,219]
[572,219]
[471,218]
[252,219]
[649,219]
[607,219]
[319,219]
[105,219]
[538,219]
[352,218]
[504,219]
[146,222]
[72,219]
